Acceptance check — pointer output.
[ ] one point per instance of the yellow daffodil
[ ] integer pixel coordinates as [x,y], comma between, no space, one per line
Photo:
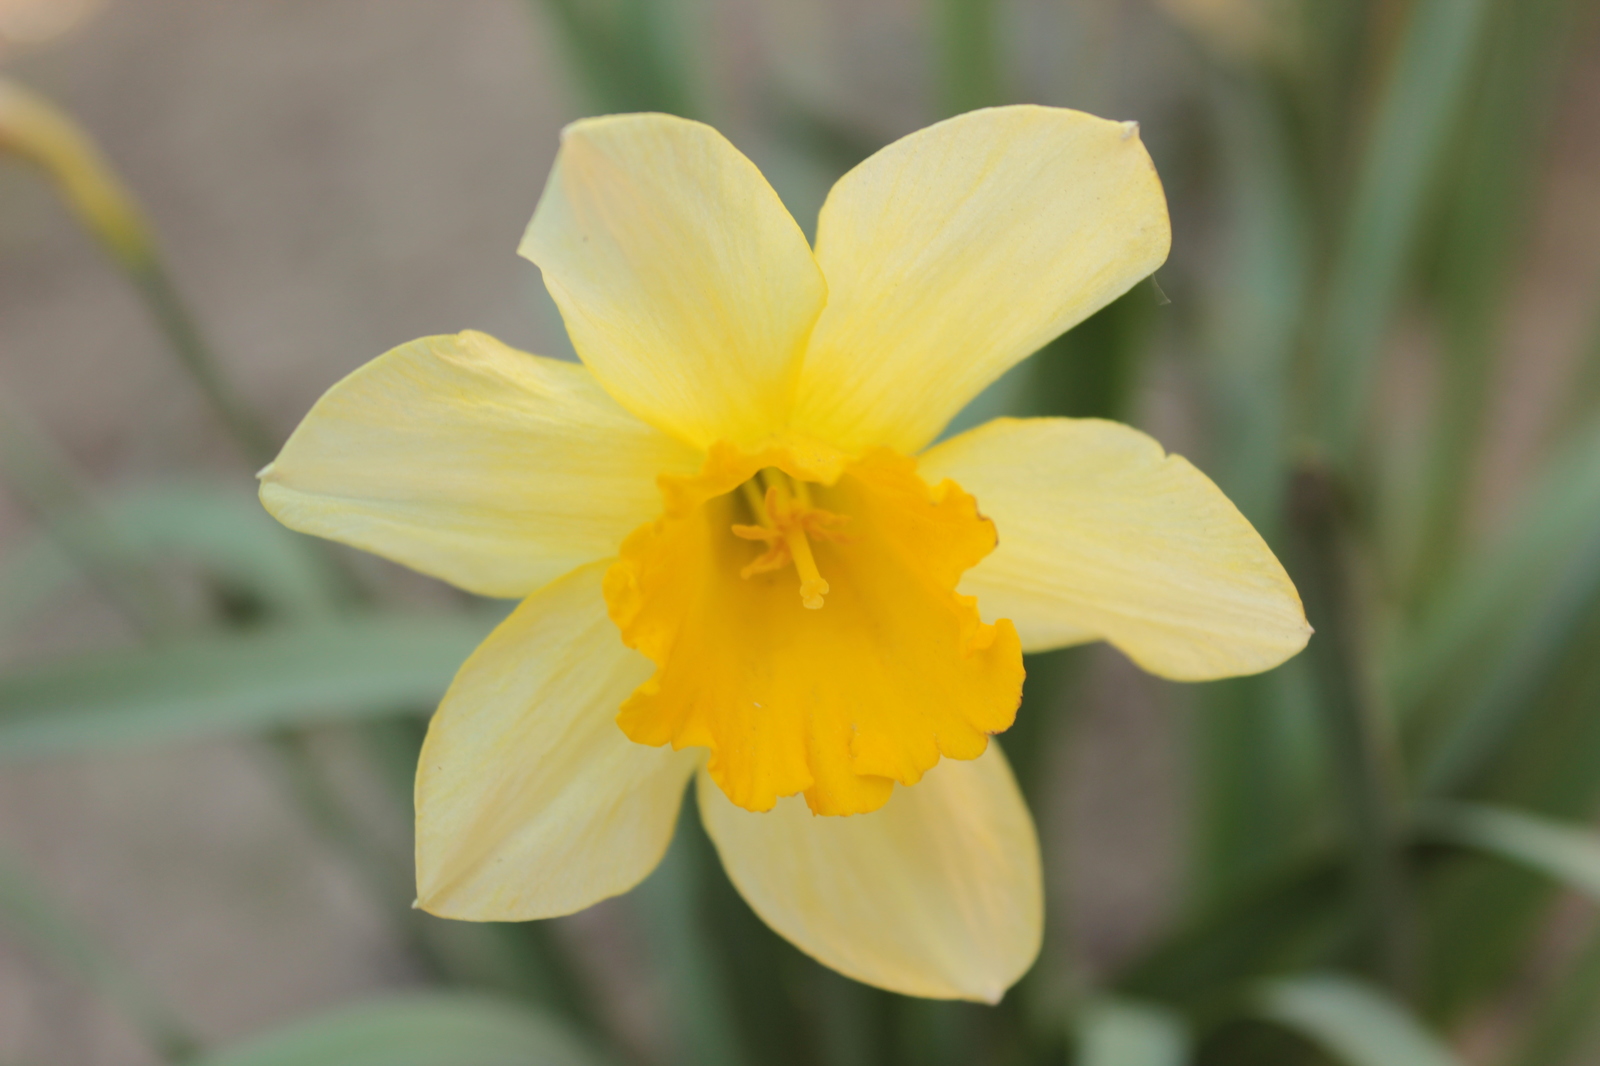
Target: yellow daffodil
[737,562]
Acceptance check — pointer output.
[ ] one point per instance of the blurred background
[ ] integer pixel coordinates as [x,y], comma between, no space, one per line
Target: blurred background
[1379,332]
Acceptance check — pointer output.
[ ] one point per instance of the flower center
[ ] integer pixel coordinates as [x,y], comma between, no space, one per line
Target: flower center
[843,704]
[785,517]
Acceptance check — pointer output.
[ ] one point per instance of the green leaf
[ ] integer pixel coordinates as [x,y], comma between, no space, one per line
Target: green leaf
[225,533]
[1418,112]
[46,482]
[235,682]
[1491,717]
[231,536]
[1113,1032]
[1362,763]
[1258,756]
[668,903]
[1448,668]
[1285,918]
[1493,182]
[1353,1021]
[1481,912]
[627,55]
[1566,853]
[415,1030]
[969,59]
[1257,298]
[1260,776]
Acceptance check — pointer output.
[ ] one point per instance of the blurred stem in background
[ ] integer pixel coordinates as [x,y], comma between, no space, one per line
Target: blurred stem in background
[1487,217]
[63,503]
[42,134]
[628,55]
[1469,753]
[702,1007]
[1328,53]
[1360,749]
[969,54]
[51,486]
[36,130]
[1095,371]
[1251,778]
[48,482]
[25,909]
[1259,305]
[1426,91]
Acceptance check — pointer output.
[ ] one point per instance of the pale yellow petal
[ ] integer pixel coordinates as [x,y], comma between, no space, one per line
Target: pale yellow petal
[491,468]
[1104,535]
[937,894]
[530,801]
[686,286]
[957,251]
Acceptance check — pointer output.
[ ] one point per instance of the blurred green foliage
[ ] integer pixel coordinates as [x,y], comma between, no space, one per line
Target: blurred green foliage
[1380,827]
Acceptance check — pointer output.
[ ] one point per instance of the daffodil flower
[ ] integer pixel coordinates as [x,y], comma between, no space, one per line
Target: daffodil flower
[740,561]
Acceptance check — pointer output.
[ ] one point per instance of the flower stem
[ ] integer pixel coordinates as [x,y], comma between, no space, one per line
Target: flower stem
[1363,771]
[47,484]
[669,906]
[248,431]
[1425,97]
[38,132]
[30,913]
[969,58]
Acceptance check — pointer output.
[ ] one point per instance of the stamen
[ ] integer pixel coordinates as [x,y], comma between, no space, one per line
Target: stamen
[787,514]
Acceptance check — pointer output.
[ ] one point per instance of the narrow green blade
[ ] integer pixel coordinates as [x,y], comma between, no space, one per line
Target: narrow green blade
[415,1030]
[631,55]
[232,683]
[1421,105]
[1353,1021]
[225,532]
[1450,660]
[1115,1032]
[1566,853]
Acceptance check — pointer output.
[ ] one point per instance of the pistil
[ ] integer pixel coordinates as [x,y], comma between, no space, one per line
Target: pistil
[786,516]
[812,587]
